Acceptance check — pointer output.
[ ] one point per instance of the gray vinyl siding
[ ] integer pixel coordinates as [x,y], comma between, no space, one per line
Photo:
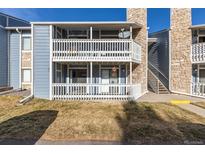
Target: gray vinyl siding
[14,60]
[3,57]
[41,66]
[158,54]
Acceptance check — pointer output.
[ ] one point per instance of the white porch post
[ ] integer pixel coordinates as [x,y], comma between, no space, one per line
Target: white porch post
[87,79]
[120,89]
[126,73]
[130,32]
[91,33]
[130,72]
[87,74]
[119,74]
[197,73]
[91,78]
[68,75]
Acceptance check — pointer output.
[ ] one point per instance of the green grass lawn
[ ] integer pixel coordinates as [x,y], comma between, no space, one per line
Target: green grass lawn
[129,123]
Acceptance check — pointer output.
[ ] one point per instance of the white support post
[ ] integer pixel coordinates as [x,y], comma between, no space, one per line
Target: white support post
[119,74]
[67,78]
[126,73]
[130,73]
[130,32]
[68,74]
[198,73]
[99,73]
[91,33]
[120,78]
[87,78]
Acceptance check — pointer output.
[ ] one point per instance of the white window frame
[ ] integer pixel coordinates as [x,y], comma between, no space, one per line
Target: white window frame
[23,81]
[26,36]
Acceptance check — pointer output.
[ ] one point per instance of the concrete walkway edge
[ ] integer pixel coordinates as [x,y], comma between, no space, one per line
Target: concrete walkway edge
[193,108]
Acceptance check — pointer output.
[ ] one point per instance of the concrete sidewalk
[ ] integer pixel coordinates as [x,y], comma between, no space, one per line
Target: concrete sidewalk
[166,98]
[193,108]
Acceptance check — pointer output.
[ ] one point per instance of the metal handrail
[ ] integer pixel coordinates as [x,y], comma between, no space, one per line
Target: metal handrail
[158,71]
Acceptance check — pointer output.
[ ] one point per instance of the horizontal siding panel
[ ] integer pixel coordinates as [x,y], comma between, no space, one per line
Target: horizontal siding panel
[14,60]
[41,53]
[3,58]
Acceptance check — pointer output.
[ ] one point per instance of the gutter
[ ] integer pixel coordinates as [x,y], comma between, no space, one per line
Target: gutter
[25,100]
[14,28]
[28,98]
[17,30]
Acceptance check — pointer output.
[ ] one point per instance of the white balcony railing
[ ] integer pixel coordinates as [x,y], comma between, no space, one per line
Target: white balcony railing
[198,89]
[63,91]
[198,53]
[96,50]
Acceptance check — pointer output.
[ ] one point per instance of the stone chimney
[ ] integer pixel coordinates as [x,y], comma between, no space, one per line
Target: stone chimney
[180,41]
[139,15]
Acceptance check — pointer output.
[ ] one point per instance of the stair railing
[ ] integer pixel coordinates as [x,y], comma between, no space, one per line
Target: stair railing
[163,79]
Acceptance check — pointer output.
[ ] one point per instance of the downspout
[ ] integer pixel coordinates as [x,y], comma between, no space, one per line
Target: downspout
[28,98]
[17,30]
[20,57]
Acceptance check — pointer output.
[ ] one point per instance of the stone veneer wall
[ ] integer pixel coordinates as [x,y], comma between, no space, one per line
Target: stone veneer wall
[180,64]
[139,73]
[26,59]
[26,63]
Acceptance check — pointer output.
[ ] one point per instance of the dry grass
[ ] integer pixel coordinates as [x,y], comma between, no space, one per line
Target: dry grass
[8,101]
[130,123]
[200,104]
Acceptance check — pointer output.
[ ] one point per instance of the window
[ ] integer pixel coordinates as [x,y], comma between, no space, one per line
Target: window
[26,43]
[201,39]
[26,75]
[112,34]
[78,34]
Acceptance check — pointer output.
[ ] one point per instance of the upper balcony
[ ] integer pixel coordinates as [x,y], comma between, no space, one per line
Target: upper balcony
[103,50]
[198,53]
[198,44]
[95,41]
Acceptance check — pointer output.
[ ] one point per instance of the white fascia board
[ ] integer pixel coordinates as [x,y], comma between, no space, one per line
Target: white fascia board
[134,24]
[198,26]
[14,28]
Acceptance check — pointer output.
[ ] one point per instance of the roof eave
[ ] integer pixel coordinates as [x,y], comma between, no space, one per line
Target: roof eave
[197,26]
[133,24]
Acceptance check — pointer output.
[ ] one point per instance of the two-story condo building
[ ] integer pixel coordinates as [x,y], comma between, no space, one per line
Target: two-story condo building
[176,56]
[79,60]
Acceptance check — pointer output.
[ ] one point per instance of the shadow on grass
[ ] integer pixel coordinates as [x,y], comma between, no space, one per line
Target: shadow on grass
[26,128]
[142,125]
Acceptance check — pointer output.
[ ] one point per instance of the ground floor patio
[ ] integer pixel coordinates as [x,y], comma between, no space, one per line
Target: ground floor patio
[94,80]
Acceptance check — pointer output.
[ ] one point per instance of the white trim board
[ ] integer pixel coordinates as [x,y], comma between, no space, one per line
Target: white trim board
[51,62]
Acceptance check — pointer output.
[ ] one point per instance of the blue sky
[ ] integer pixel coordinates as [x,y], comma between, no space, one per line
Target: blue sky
[158,18]
[71,14]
